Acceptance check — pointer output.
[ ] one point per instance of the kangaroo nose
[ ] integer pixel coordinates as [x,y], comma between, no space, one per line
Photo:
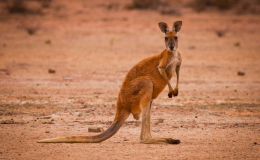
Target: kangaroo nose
[171,48]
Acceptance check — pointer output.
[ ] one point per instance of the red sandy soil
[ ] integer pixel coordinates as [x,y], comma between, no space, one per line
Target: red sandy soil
[91,48]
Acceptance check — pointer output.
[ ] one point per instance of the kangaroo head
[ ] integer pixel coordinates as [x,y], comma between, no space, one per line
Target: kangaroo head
[171,37]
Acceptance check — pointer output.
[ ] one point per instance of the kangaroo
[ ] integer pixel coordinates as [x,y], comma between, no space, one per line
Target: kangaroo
[142,84]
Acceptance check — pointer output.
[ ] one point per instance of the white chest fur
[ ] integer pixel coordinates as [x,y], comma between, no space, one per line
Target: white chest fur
[174,62]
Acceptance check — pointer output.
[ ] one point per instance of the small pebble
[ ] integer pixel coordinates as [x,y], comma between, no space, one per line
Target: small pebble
[95,129]
[239,73]
[159,121]
[51,71]
[175,126]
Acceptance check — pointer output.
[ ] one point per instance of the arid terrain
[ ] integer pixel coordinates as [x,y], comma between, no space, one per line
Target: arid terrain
[65,77]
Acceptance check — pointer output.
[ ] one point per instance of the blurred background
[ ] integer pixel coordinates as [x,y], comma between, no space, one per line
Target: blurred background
[54,47]
[85,39]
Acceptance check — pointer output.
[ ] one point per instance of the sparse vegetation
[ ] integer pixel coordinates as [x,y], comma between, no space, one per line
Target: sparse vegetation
[239,73]
[24,6]
[45,3]
[225,4]
[237,44]
[170,10]
[48,41]
[30,29]
[240,6]
[163,7]
[112,6]
[16,6]
[143,4]
[200,5]
[51,71]
[220,32]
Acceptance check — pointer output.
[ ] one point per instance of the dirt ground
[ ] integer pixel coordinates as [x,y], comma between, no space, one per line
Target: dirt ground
[91,46]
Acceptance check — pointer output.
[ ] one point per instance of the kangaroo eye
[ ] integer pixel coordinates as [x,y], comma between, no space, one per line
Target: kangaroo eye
[176,38]
[166,38]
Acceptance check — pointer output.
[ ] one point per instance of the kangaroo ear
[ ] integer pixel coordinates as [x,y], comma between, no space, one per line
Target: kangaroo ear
[177,26]
[164,27]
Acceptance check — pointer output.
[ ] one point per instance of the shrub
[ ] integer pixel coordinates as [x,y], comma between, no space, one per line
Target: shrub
[16,6]
[27,6]
[169,10]
[225,4]
[143,4]
[200,5]
[45,3]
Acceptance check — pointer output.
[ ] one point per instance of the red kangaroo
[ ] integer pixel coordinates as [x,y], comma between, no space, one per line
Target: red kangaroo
[142,84]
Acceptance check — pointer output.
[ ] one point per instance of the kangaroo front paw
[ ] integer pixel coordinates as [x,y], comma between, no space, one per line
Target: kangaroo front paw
[174,93]
[170,95]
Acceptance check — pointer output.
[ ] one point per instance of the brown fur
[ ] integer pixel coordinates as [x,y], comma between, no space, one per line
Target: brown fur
[143,83]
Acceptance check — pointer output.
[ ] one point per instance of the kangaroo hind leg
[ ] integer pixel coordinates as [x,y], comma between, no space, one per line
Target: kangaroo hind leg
[145,136]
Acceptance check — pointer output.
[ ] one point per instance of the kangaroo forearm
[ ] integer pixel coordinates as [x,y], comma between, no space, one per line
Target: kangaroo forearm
[177,73]
[163,73]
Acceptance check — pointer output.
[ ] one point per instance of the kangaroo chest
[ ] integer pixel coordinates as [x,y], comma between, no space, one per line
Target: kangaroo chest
[174,62]
[170,70]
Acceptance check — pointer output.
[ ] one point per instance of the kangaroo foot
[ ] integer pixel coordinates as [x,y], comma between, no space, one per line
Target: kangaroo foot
[172,141]
[160,141]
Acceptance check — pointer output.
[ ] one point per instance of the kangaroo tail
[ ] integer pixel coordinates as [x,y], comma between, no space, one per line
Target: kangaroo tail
[112,130]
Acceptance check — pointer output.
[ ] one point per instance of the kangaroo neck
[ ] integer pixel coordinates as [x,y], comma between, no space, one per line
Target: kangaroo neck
[174,53]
